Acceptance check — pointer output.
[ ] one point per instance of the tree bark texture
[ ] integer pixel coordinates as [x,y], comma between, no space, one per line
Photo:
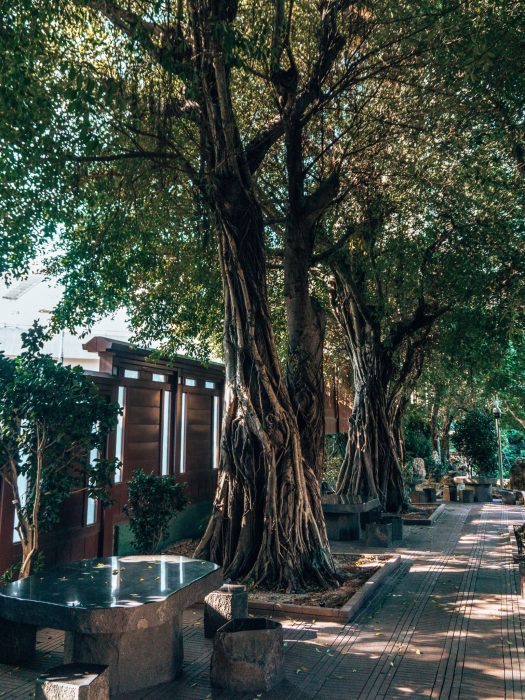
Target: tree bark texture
[267,524]
[371,466]
[306,323]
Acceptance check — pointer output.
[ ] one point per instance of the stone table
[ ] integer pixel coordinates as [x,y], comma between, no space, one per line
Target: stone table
[347,516]
[123,612]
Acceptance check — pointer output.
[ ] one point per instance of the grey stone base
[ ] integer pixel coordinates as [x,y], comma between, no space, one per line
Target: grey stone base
[343,527]
[248,655]
[73,682]
[230,602]
[17,642]
[378,534]
[136,660]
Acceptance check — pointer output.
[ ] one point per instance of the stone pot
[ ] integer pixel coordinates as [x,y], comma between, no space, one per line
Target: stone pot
[482,492]
[248,655]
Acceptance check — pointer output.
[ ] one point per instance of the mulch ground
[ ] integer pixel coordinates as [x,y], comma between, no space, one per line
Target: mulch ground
[354,569]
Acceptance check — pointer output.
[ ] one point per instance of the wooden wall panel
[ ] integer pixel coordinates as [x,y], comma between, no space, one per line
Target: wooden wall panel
[142,420]
[198,431]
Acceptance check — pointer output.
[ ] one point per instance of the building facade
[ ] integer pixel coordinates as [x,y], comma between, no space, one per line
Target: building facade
[172,413]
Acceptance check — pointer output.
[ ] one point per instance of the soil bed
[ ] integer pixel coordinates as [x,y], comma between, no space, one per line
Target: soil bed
[355,570]
[184,548]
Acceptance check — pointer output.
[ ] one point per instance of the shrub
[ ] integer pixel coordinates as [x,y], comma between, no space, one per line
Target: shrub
[475,437]
[152,503]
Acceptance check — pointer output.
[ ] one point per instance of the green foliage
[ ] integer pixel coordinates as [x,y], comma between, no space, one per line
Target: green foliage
[51,417]
[513,447]
[152,503]
[334,452]
[475,438]
[417,438]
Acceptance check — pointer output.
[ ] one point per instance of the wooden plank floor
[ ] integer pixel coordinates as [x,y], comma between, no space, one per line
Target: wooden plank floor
[448,625]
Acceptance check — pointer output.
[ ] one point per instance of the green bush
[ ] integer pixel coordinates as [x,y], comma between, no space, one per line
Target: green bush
[475,438]
[152,503]
[417,440]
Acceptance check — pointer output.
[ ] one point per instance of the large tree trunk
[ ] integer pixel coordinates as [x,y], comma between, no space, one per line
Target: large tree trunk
[306,322]
[267,523]
[434,426]
[372,465]
[445,438]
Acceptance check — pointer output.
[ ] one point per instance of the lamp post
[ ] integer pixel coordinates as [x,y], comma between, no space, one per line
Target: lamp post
[496,412]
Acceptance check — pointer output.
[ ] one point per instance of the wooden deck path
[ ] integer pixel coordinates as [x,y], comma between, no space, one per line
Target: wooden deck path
[448,625]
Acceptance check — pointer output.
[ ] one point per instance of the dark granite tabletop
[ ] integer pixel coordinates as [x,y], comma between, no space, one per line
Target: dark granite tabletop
[110,582]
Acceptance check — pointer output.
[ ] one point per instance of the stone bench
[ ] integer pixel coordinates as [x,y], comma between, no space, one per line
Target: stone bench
[73,682]
[345,520]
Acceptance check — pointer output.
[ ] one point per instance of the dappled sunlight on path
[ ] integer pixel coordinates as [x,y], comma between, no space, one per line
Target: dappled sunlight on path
[446,625]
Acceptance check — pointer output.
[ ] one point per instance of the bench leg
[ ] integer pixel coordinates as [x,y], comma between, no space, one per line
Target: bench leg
[17,642]
[136,660]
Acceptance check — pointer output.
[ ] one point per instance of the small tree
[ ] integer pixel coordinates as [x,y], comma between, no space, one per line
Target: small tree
[475,437]
[152,502]
[51,417]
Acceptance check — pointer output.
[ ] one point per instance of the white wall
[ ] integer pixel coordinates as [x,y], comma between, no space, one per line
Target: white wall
[34,301]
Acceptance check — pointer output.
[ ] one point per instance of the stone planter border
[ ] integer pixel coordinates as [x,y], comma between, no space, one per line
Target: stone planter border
[344,614]
[426,521]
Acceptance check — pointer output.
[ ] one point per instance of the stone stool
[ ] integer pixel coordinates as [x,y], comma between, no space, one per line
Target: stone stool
[397,524]
[378,534]
[248,655]
[467,496]
[228,603]
[450,493]
[73,682]
[520,561]
[430,494]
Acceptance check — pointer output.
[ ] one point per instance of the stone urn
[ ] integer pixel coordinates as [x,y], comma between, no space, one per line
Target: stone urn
[248,655]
